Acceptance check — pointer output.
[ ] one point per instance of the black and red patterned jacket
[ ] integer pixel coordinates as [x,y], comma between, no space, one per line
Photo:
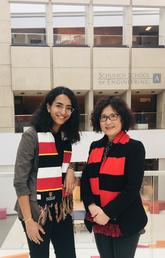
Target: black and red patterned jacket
[113,180]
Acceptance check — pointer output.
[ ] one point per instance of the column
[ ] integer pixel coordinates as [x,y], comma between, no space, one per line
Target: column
[49,24]
[127,97]
[162,26]
[127,26]
[161,180]
[89,40]
[49,36]
[89,29]
[160,110]
[6,94]
[89,100]
[127,40]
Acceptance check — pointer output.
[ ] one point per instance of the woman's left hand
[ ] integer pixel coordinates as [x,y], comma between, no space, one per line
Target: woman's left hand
[101,218]
[69,182]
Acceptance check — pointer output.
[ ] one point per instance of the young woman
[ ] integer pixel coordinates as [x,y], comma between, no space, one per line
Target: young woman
[43,179]
[111,182]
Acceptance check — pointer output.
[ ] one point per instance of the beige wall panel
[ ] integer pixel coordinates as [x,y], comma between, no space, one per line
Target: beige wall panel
[112,2]
[151,3]
[110,68]
[110,79]
[29,1]
[31,79]
[30,56]
[4,10]
[148,57]
[4,54]
[6,115]
[71,57]
[71,1]
[110,57]
[76,79]
[5,36]
[5,76]
[148,68]
[6,97]
[7,129]
[148,78]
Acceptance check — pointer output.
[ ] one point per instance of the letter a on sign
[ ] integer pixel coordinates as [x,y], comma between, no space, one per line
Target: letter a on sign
[156,78]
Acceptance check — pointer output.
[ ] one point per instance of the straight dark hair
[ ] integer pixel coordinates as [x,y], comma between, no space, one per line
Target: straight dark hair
[120,106]
[42,121]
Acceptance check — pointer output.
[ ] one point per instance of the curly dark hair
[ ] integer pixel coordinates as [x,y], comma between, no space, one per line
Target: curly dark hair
[42,121]
[120,106]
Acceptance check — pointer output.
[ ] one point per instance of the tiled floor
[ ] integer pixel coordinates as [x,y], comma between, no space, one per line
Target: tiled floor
[88,252]
[15,241]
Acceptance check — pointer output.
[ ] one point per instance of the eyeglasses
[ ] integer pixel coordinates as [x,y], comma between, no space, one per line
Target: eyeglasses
[111,117]
[68,109]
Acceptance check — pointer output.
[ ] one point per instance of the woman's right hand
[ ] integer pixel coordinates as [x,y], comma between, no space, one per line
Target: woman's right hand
[94,209]
[33,230]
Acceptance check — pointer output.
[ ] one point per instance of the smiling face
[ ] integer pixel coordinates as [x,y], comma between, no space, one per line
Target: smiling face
[109,127]
[60,111]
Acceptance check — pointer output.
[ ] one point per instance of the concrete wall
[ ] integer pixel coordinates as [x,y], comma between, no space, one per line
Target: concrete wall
[6,95]
[71,67]
[148,68]
[110,68]
[30,68]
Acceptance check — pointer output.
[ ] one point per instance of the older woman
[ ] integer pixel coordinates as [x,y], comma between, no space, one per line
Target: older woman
[111,182]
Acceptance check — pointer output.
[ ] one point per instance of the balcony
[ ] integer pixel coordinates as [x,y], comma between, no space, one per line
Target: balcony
[146,120]
[28,39]
[108,40]
[154,203]
[69,39]
[145,41]
[22,122]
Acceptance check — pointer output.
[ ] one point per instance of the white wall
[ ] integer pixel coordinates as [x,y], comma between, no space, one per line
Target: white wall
[153,140]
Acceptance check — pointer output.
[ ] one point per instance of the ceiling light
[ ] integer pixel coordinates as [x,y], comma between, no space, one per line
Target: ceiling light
[148,28]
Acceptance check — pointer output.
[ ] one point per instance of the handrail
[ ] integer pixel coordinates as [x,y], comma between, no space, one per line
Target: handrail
[27,33]
[28,38]
[79,173]
[146,173]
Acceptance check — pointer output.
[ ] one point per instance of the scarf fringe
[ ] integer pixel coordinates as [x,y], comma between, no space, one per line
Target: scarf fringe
[61,210]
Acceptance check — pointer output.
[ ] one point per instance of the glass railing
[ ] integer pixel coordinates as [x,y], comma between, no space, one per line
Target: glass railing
[145,40]
[23,39]
[153,197]
[146,120]
[69,39]
[22,122]
[39,39]
[108,40]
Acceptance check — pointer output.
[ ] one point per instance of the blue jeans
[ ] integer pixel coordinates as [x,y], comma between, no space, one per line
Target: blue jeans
[60,235]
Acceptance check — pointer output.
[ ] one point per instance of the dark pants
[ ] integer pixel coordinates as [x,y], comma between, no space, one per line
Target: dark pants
[111,247]
[60,235]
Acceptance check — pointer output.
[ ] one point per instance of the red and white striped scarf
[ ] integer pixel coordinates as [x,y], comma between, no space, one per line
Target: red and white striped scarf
[51,171]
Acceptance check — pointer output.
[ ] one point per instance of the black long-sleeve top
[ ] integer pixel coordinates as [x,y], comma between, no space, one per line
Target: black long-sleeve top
[118,176]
